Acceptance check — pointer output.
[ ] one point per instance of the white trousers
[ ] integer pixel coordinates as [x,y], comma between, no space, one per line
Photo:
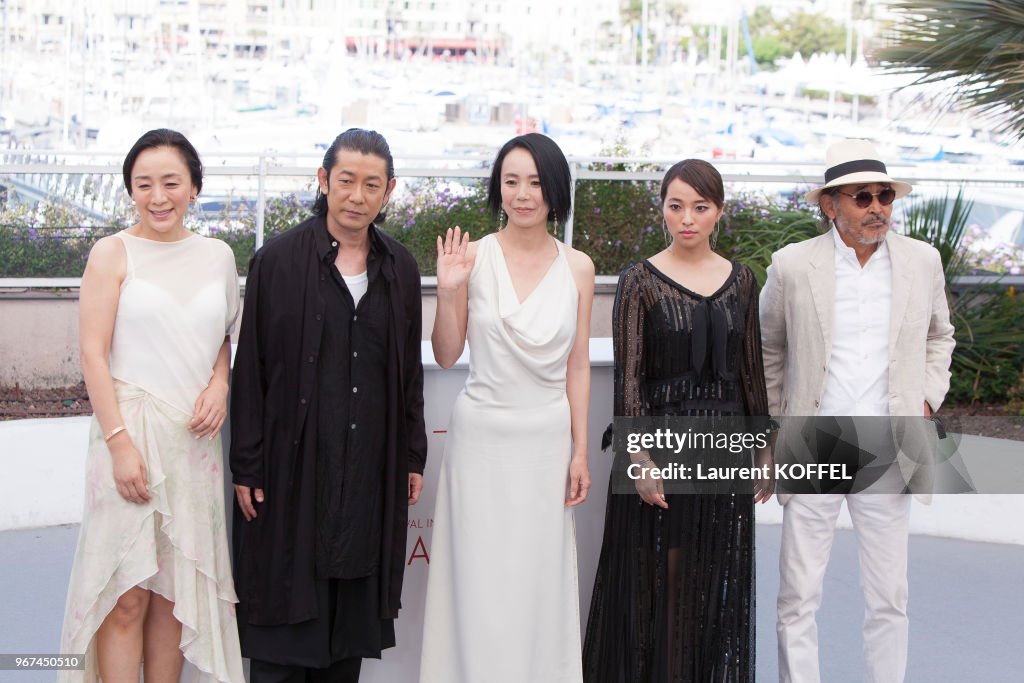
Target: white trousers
[881,523]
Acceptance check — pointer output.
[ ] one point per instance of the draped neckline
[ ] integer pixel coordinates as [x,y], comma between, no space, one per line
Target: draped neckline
[147,240]
[724,286]
[508,273]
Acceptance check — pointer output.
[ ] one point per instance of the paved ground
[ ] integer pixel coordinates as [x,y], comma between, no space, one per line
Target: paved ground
[966,601]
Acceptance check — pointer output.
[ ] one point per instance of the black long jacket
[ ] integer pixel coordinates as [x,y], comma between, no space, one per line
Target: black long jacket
[273,432]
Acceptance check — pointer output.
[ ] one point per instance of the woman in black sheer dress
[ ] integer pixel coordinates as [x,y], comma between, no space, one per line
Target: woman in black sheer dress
[674,594]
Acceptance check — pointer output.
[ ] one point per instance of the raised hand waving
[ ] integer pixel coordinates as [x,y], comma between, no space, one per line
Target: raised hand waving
[454,264]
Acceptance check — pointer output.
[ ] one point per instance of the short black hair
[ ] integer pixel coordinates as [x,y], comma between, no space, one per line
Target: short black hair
[355,140]
[552,168]
[164,137]
[701,176]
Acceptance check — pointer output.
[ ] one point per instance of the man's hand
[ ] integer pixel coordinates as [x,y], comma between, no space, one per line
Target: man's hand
[244,496]
[415,486]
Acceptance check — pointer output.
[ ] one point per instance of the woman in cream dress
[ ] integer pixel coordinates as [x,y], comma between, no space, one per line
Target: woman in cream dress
[151,582]
[502,596]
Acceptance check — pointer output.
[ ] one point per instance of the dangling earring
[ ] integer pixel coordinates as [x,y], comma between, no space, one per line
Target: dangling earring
[714,237]
[502,218]
[664,231]
[555,230]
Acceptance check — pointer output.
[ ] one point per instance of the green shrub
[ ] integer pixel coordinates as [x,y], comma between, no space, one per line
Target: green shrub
[988,321]
[431,207]
[756,226]
[616,222]
[238,230]
[989,355]
[49,240]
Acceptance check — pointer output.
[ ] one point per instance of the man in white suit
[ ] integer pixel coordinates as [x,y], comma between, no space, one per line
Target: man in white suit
[854,322]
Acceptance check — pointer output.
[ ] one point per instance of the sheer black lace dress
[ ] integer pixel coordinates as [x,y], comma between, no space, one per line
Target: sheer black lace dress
[674,593]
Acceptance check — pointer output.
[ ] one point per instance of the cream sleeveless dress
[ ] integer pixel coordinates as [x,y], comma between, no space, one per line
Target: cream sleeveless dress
[502,595]
[177,303]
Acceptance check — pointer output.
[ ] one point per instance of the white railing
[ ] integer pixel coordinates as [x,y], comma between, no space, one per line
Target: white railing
[260,167]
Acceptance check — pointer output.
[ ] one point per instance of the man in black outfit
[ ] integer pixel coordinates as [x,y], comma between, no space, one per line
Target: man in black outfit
[327,438]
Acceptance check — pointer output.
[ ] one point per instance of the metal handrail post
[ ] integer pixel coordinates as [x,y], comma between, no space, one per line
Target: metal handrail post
[261,196]
[573,175]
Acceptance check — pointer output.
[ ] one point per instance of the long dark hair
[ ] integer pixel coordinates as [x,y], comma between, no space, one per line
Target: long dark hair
[164,137]
[552,168]
[355,140]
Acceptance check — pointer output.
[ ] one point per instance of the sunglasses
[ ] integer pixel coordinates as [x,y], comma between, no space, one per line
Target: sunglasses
[864,198]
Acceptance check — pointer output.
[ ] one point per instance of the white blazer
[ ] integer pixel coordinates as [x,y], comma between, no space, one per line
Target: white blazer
[797,310]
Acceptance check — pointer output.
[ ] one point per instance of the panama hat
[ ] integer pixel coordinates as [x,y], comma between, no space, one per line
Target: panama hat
[855,162]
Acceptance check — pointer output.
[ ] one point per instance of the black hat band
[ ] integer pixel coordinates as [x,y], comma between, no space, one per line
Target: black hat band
[858,166]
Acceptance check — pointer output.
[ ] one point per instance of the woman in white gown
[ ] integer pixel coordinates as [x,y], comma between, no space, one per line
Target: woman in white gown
[151,578]
[502,594]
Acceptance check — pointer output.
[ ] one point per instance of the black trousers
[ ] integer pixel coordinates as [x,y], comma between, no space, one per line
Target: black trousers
[342,671]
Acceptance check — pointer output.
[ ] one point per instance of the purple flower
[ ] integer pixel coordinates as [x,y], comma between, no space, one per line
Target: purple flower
[597,210]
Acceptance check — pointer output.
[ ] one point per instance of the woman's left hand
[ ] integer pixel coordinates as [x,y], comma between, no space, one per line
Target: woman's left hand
[579,480]
[210,411]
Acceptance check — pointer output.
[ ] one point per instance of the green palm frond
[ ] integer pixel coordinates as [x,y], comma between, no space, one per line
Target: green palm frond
[942,224]
[973,46]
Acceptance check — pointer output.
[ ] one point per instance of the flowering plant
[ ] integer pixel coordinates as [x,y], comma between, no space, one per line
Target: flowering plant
[982,252]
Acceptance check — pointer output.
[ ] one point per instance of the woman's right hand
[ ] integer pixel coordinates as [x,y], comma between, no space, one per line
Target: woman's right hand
[650,489]
[129,472]
[453,261]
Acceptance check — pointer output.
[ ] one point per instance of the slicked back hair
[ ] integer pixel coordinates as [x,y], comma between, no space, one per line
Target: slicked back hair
[354,140]
[552,167]
[164,137]
[701,176]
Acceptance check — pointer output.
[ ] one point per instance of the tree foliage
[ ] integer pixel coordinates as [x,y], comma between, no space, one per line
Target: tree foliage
[973,47]
[804,32]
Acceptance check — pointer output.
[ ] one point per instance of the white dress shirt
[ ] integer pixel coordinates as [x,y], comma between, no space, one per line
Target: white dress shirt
[858,369]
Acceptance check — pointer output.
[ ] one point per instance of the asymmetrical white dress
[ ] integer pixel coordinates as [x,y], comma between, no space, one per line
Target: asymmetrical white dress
[177,303]
[502,597]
